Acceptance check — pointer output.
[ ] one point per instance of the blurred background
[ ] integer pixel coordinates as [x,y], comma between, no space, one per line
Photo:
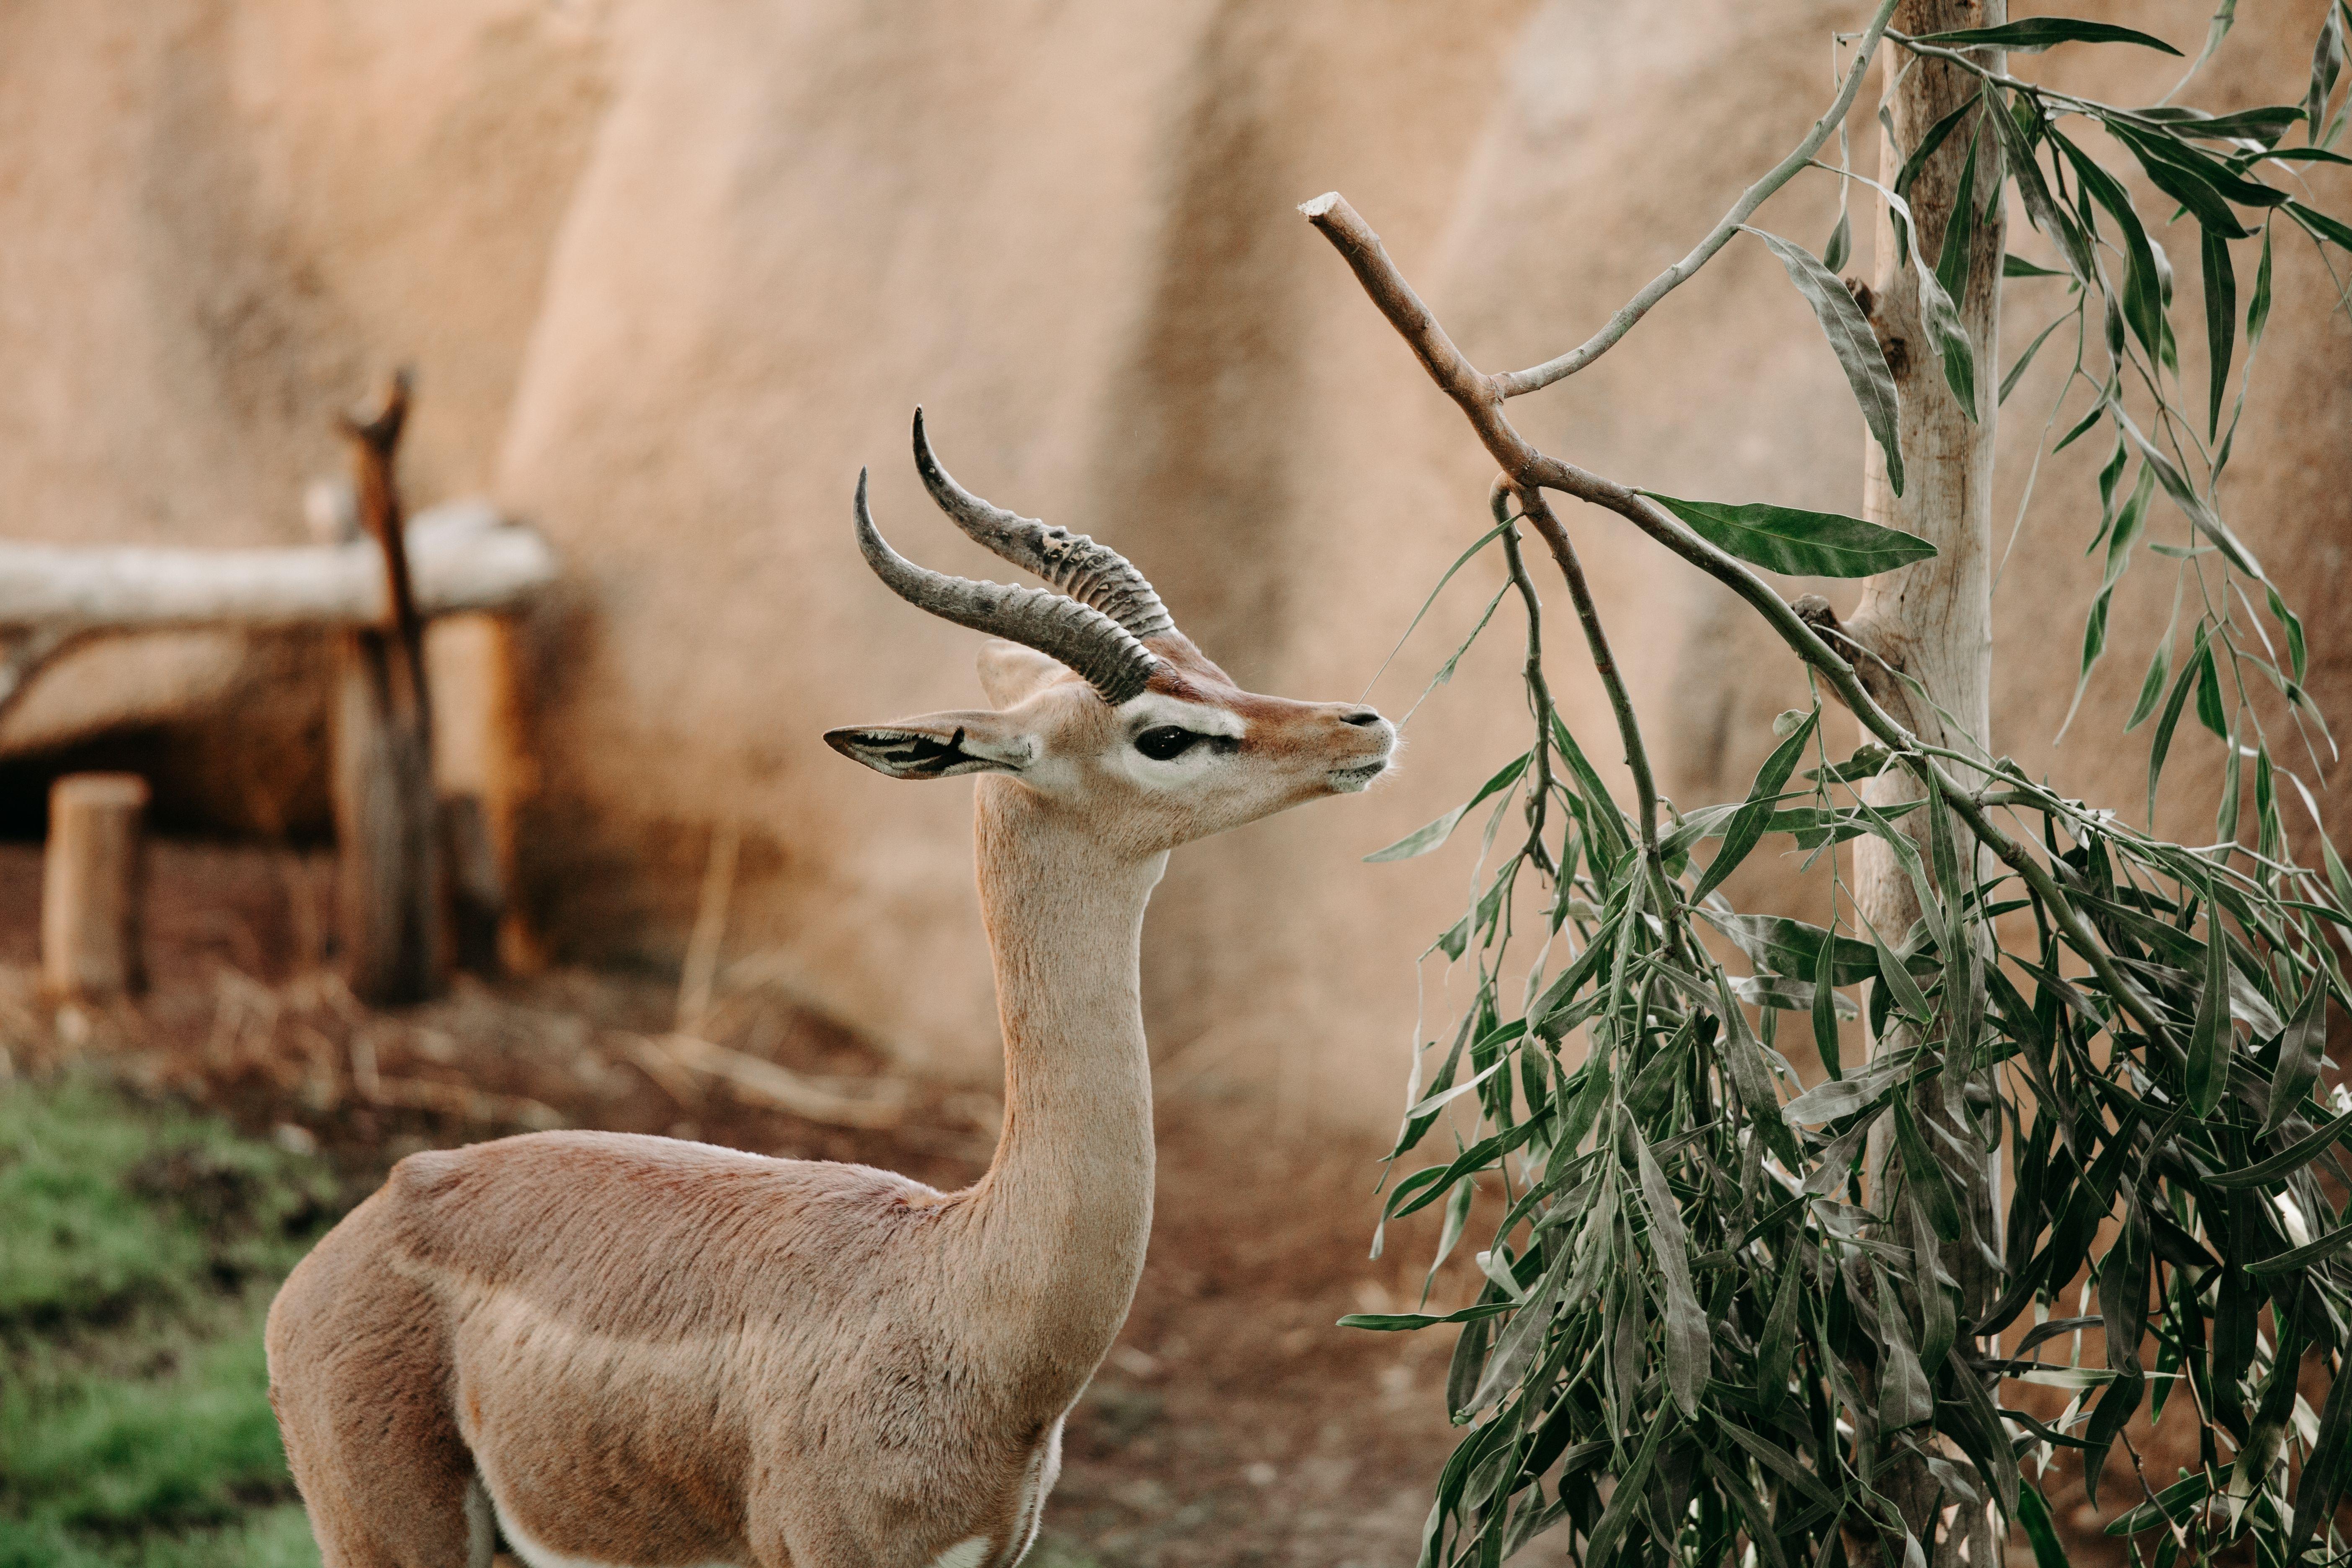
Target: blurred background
[668,275]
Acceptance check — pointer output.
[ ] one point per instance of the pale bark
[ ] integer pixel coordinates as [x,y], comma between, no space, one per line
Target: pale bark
[92,887]
[462,556]
[1932,622]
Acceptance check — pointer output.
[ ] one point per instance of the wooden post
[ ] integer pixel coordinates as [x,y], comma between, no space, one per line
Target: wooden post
[91,887]
[387,825]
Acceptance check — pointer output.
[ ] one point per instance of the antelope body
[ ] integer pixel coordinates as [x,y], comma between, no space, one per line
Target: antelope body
[640,1352]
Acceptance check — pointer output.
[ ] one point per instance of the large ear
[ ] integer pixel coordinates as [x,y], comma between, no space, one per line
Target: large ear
[938,745]
[1012,673]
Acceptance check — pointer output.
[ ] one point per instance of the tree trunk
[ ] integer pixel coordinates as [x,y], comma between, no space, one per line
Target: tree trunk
[1932,623]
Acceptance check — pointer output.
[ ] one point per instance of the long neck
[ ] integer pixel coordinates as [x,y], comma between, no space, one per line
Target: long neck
[1061,1219]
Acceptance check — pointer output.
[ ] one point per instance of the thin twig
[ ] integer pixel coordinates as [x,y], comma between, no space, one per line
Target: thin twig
[1539,376]
[1539,689]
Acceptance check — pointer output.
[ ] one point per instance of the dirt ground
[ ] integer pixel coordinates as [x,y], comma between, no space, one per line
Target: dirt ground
[1233,1425]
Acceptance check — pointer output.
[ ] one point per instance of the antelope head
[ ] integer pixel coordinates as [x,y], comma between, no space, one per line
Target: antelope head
[1102,707]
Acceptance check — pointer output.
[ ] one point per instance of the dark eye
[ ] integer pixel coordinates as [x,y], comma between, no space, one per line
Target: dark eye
[1167,742]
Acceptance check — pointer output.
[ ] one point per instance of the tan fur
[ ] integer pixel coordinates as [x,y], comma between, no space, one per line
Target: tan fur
[656,1354]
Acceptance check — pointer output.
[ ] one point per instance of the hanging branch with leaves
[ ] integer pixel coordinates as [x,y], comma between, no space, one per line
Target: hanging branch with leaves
[1705,1328]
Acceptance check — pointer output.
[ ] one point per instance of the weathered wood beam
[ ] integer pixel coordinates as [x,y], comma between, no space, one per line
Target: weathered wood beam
[461,556]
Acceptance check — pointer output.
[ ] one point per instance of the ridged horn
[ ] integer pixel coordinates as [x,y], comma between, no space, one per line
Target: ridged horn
[1113,662]
[1094,575]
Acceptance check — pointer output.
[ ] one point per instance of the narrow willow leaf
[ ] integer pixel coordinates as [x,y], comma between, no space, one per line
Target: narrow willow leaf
[2221,324]
[2209,1040]
[1801,544]
[2017,372]
[2191,503]
[2258,309]
[2299,1053]
[2152,686]
[2210,712]
[1943,321]
[2322,1471]
[1952,258]
[2326,59]
[1852,340]
[1404,1322]
[2143,301]
[1601,1546]
[2015,266]
[1825,1023]
[2041,32]
[1904,1397]
[2017,136]
[1929,1186]
[2302,1257]
[1777,1351]
[2287,1160]
[2041,1530]
[1834,254]
[1907,994]
[2198,183]
[2162,744]
[1747,829]
[1689,1354]
[1793,947]
[1428,836]
[2298,656]
[2336,231]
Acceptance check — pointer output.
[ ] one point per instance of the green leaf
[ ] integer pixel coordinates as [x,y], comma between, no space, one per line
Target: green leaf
[1929,1183]
[2017,372]
[1907,994]
[2201,183]
[2221,324]
[2015,266]
[2298,656]
[2326,59]
[2142,300]
[1825,1023]
[1834,254]
[2209,694]
[2258,309]
[1689,1353]
[2034,1513]
[1790,947]
[2152,686]
[1399,1322]
[2041,32]
[1944,325]
[2185,498]
[1960,231]
[1851,341]
[1749,826]
[2162,745]
[2336,231]
[2299,1053]
[2287,1160]
[1428,836]
[1801,544]
[2209,1037]
[2327,1246]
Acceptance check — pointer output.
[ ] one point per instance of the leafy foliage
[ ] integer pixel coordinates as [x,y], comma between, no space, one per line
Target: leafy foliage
[1700,1335]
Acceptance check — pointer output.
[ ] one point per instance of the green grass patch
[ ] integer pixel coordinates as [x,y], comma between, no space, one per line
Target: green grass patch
[139,1246]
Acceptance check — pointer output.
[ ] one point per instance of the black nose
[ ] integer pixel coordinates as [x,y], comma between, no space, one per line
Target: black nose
[1361,716]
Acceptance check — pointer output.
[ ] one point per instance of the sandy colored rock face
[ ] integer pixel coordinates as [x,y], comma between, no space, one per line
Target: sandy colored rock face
[670,274]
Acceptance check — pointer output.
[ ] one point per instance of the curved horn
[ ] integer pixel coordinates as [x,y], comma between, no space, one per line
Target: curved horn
[1094,575]
[1097,647]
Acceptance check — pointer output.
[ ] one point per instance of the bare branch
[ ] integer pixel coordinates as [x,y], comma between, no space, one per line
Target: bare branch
[1538,378]
[1529,469]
